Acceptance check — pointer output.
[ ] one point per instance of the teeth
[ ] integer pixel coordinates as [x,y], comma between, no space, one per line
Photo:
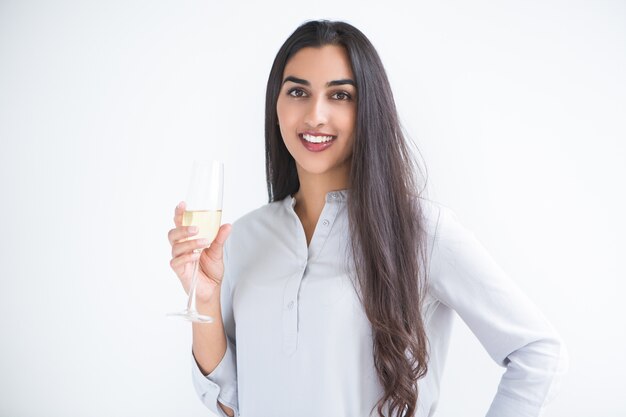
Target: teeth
[317,139]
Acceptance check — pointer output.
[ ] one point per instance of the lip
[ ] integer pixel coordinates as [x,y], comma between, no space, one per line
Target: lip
[312,133]
[316,147]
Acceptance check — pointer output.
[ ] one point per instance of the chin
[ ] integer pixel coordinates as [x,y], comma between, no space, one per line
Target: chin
[318,167]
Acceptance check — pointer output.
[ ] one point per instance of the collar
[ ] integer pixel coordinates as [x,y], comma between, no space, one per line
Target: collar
[336,196]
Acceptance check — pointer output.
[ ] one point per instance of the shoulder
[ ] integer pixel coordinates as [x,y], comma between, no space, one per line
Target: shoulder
[261,215]
[259,224]
[439,221]
[450,246]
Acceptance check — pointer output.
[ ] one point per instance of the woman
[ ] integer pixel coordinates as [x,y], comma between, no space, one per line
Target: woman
[337,297]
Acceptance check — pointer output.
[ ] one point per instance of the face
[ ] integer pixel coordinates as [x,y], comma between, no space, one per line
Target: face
[317,110]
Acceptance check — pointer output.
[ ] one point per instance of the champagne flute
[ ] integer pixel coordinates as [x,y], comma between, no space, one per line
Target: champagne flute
[204,210]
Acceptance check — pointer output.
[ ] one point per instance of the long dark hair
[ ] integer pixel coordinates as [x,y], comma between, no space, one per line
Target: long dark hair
[385,216]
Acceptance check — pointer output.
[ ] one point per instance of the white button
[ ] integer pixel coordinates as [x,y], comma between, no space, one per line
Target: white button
[325,222]
[290,305]
[333,195]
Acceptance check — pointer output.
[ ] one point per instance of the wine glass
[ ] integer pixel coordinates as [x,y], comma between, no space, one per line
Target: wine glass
[204,210]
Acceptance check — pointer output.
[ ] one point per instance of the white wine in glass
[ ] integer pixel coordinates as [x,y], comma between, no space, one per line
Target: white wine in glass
[207,221]
[204,210]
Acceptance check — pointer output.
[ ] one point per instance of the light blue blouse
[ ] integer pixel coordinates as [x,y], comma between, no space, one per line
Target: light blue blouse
[300,344]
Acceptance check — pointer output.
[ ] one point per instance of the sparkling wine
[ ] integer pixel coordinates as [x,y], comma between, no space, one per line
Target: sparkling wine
[204,210]
[207,221]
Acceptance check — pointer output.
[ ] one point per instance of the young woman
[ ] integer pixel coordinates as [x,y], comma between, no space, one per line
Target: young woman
[338,296]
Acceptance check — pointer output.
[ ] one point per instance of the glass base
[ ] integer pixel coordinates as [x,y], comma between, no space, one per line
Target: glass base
[193,316]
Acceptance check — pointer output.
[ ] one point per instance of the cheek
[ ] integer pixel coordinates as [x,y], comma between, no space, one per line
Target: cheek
[350,128]
[349,122]
[285,124]
[279,115]
[285,116]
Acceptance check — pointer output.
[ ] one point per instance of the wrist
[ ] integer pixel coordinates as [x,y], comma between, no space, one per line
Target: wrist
[211,305]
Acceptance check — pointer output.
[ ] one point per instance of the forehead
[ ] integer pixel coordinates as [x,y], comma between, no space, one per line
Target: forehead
[325,63]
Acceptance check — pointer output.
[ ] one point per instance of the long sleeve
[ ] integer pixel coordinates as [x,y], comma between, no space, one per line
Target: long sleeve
[221,384]
[507,323]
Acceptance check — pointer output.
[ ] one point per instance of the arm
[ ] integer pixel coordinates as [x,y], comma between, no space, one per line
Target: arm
[209,342]
[510,327]
[214,369]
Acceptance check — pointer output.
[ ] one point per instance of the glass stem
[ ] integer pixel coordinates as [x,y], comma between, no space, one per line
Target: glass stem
[191,304]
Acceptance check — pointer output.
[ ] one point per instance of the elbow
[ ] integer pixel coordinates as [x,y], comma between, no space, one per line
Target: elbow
[561,365]
[558,365]
[535,372]
[551,363]
[550,355]
[557,357]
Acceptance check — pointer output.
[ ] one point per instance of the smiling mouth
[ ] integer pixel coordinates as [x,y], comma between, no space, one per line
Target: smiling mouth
[317,139]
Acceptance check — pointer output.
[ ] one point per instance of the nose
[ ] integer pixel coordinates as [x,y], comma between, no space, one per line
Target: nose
[317,112]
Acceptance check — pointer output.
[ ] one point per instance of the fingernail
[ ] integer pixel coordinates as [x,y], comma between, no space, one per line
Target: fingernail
[203,242]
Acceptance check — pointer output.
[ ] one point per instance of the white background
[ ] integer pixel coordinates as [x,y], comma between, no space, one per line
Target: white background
[518,109]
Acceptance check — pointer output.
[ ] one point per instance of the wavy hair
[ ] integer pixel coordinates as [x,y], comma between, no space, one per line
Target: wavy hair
[383,203]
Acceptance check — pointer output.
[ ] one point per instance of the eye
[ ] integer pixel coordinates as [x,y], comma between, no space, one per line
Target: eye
[296,92]
[342,95]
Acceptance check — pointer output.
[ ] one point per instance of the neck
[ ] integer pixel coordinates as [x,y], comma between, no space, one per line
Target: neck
[311,196]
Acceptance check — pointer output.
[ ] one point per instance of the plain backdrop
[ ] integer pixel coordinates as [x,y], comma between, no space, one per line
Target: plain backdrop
[517,107]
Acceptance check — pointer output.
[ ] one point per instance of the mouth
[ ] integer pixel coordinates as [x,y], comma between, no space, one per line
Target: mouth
[317,142]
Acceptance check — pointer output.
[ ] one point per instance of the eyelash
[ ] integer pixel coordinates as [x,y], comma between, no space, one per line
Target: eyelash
[348,96]
[291,92]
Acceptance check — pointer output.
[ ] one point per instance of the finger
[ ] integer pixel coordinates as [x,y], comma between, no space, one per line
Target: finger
[188,246]
[180,261]
[178,213]
[215,251]
[181,233]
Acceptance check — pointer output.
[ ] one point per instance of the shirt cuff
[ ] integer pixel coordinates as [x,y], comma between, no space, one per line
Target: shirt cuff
[221,384]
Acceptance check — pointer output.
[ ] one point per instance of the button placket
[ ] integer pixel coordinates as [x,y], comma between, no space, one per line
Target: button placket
[322,231]
[290,312]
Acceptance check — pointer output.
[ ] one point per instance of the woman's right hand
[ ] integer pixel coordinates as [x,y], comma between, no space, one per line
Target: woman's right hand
[211,264]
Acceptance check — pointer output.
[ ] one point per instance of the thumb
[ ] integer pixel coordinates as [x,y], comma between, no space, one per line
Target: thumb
[216,250]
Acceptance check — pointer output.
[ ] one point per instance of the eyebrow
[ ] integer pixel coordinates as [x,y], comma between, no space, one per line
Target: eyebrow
[328,84]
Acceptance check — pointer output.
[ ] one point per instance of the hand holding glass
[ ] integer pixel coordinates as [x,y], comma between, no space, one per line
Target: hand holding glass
[203,210]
